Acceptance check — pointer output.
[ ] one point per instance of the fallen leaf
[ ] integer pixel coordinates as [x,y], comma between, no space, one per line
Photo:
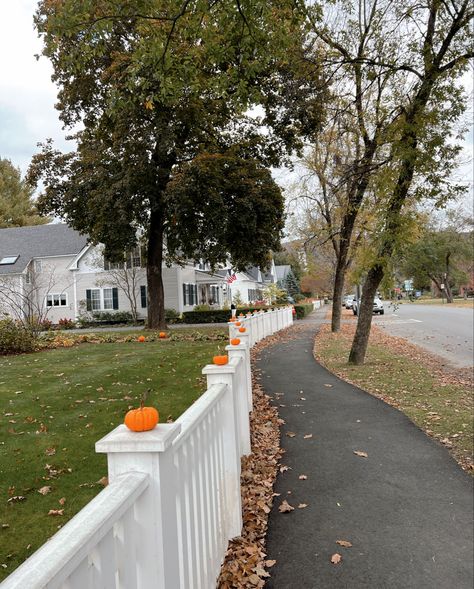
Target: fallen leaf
[336,558]
[360,453]
[56,512]
[302,505]
[16,499]
[50,451]
[62,501]
[291,434]
[302,477]
[103,481]
[307,436]
[344,543]
[284,468]
[328,385]
[270,563]
[44,490]
[285,507]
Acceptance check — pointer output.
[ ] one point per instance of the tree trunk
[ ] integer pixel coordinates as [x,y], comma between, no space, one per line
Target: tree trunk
[338,291]
[365,312]
[154,274]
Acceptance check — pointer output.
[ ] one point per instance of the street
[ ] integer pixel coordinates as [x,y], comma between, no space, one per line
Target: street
[441,329]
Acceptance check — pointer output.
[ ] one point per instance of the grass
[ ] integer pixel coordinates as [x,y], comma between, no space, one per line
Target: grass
[57,403]
[404,376]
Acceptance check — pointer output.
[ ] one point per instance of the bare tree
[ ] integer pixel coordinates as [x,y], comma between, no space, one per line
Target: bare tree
[23,297]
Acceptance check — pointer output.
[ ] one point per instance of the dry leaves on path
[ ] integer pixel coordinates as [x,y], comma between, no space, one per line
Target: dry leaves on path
[344,543]
[245,561]
[360,453]
[336,558]
[285,507]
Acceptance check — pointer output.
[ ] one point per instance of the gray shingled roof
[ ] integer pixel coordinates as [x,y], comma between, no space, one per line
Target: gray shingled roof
[282,271]
[38,241]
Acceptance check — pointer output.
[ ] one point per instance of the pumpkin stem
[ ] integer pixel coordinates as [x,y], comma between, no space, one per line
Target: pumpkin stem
[144,398]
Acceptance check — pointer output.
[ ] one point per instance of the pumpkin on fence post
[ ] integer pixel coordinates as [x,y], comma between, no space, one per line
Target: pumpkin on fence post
[142,419]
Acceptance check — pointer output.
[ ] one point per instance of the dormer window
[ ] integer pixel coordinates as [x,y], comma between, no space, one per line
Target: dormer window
[8,260]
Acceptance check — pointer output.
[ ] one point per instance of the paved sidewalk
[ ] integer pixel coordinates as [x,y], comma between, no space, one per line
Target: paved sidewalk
[407,508]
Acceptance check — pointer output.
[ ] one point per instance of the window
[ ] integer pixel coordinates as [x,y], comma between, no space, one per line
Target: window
[56,300]
[143,296]
[134,258]
[108,265]
[8,260]
[38,266]
[215,294]
[190,295]
[105,299]
[108,298]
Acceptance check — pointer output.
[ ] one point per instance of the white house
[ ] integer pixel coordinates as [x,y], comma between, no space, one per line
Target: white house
[54,268]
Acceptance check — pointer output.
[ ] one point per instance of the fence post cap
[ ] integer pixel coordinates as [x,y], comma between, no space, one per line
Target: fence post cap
[232,348]
[121,439]
[215,369]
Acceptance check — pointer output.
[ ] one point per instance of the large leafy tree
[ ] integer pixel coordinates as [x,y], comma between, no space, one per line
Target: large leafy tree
[17,207]
[434,54]
[152,85]
[438,256]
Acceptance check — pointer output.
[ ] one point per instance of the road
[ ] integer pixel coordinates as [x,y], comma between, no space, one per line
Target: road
[440,329]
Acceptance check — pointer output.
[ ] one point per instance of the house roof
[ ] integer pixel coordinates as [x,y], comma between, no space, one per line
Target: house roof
[282,271]
[38,241]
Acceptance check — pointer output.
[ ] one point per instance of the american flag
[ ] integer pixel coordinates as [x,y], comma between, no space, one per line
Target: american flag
[232,276]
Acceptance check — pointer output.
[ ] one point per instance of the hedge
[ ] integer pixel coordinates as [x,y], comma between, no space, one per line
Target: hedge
[216,315]
[303,310]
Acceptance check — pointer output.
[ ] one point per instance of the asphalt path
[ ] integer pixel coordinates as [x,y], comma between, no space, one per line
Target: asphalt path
[441,329]
[359,471]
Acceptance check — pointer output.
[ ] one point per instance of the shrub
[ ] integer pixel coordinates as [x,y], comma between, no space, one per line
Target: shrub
[115,317]
[299,297]
[46,325]
[216,315]
[15,339]
[172,316]
[303,310]
[66,323]
[202,307]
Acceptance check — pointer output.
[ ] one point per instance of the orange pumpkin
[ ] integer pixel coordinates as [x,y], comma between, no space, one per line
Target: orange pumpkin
[235,341]
[242,329]
[142,419]
[141,338]
[162,335]
[220,360]
[238,324]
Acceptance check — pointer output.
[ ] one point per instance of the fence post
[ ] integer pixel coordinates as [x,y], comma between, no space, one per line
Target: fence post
[231,427]
[151,452]
[245,340]
[243,392]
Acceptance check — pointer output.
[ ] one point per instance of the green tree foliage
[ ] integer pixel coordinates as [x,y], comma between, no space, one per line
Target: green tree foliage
[439,256]
[156,84]
[17,208]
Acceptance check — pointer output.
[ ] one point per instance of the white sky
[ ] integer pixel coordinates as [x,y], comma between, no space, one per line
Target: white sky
[27,95]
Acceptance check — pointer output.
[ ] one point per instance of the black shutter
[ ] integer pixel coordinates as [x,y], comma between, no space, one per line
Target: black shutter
[184,294]
[143,296]
[88,300]
[115,298]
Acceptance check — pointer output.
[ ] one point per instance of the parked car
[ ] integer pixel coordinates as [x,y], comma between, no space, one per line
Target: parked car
[348,301]
[377,308]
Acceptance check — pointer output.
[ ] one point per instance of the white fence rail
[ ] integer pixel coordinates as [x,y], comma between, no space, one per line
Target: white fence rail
[173,500]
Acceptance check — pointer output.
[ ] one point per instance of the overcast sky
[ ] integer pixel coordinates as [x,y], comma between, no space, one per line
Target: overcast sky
[27,95]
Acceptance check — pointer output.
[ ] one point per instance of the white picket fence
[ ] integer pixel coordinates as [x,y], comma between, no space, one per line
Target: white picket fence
[173,500]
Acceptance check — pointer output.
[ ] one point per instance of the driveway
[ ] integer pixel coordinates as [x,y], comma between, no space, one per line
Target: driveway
[441,329]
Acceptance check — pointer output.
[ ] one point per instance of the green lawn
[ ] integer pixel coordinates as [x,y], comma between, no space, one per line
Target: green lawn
[57,403]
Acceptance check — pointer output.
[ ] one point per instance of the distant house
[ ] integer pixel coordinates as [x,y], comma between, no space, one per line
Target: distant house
[248,285]
[55,268]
